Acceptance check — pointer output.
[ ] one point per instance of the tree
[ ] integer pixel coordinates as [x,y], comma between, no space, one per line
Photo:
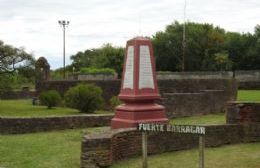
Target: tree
[203,41]
[167,48]
[16,67]
[223,63]
[12,58]
[109,57]
[83,59]
[106,56]
[207,46]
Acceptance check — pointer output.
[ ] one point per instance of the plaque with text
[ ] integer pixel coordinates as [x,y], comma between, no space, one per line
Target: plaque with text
[145,68]
[129,69]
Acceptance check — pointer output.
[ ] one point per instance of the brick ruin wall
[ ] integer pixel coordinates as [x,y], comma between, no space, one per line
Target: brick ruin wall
[104,149]
[41,124]
[243,112]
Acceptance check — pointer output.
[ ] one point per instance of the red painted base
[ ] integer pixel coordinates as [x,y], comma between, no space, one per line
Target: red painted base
[130,115]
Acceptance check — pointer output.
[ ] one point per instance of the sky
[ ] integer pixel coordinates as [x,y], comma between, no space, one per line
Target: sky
[33,24]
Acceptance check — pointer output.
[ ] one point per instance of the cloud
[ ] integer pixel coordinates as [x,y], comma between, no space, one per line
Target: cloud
[34,24]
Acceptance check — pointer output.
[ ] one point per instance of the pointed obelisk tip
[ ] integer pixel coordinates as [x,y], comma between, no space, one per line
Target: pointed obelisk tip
[140,38]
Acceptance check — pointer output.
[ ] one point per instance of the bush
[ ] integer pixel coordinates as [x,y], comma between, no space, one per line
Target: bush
[114,101]
[50,98]
[85,97]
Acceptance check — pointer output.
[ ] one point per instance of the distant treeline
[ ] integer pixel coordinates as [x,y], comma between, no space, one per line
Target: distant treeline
[208,48]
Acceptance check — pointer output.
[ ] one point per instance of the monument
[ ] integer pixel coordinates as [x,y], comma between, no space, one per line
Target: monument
[138,87]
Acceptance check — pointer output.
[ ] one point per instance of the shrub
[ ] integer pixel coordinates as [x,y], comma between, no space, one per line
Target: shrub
[50,98]
[85,97]
[114,101]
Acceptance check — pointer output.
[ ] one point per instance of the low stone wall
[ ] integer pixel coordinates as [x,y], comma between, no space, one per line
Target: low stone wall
[102,150]
[29,125]
[95,77]
[243,112]
[253,75]
[195,75]
[190,104]
[18,94]
[112,87]
[229,86]
[248,80]
[175,93]
[249,85]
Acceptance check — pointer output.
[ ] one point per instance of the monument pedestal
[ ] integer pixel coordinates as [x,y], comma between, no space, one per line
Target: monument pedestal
[139,87]
[131,114]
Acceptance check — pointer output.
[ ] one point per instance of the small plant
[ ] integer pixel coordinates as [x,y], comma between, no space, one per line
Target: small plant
[50,98]
[114,101]
[85,97]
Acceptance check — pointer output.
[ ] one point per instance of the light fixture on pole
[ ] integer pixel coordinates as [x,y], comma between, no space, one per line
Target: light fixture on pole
[64,24]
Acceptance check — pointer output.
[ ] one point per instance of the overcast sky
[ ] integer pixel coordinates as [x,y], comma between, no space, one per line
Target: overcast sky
[33,24]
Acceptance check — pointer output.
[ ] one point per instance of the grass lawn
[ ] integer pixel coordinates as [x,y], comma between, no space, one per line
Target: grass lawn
[231,156]
[57,149]
[24,108]
[61,149]
[218,118]
[249,95]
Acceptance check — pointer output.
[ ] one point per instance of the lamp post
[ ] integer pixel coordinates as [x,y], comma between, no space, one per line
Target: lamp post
[64,24]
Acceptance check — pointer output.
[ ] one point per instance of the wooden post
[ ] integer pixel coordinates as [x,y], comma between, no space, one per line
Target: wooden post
[144,148]
[201,151]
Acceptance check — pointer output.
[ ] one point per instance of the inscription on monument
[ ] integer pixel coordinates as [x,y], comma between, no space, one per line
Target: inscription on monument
[145,68]
[129,69]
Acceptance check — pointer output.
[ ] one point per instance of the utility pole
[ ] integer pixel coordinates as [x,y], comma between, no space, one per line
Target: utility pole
[184,37]
[64,24]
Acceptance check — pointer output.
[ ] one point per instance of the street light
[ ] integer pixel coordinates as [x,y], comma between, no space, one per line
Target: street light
[64,24]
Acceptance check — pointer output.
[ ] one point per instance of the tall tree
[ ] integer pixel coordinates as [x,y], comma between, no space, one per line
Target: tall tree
[202,42]
[12,58]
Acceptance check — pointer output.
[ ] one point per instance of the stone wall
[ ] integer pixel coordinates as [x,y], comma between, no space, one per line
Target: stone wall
[247,79]
[112,87]
[29,125]
[95,77]
[247,75]
[190,104]
[103,149]
[253,75]
[195,75]
[203,95]
[243,112]
[18,94]
[249,85]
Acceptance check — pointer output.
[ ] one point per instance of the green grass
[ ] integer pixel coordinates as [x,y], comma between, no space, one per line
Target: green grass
[218,118]
[249,95]
[232,156]
[24,108]
[57,149]
[61,149]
